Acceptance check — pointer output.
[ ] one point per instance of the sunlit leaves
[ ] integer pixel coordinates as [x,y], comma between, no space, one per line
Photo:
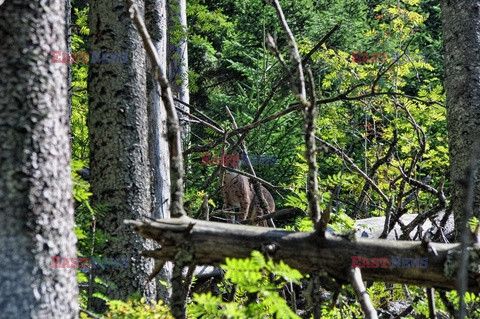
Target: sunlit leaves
[253,276]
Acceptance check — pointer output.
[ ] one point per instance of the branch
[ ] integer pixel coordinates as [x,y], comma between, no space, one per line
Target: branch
[210,243]
[213,127]
[309,116]
[302,93]
[275,214]
[319,44]
[355,168]
[425,187]
[363,298]
[255,178]
[194,109]
[279,82]
[309,112]
[372,171]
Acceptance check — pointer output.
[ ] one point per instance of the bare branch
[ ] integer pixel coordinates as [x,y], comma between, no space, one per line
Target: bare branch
[309,112]
[430,189]
[302,94]
[276,214]
[319,44]
[309,115]
[363,298]
[373,170]
[355,168]
[213,127]
[194,109]
[211,243]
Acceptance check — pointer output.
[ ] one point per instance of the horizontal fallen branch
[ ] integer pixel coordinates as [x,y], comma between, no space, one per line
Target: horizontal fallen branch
[212,242]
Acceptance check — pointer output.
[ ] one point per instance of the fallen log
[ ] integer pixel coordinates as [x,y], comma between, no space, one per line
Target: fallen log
[210,243]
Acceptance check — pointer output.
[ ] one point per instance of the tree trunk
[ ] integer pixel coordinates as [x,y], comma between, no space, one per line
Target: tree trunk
[178,61]
[156,22]
[35,180]
[211,243]
[461,26]
[68,20]
[118,129]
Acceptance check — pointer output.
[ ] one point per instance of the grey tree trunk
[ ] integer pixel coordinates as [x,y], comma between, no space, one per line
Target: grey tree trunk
[461,29]
[156,21]
[178,60]
[35,180]
[68,20]
[118,129]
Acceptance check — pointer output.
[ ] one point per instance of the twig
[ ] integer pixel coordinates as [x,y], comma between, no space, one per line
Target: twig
[431,303]
[381,73]
[91,314]
[309,116]
[373,170]
[309,112]
[279,82]
[355,167]
[419,220]
[275,214]
[302,94]
[258,179]
[425,187]
[194,109]
[319,44]
[273,49]
[156,270]
[213,127]
[339,97]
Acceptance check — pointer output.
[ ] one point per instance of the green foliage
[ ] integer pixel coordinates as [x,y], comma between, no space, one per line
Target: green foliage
[256,283]
[230,67]
[193,201]
[137,309]
[80,148]
[364,129]
[81,187]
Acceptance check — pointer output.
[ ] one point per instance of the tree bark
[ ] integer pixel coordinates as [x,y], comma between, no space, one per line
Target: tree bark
[156,22]
[35,180]
[212,242]
[178,61]
[461,28]
[117,121]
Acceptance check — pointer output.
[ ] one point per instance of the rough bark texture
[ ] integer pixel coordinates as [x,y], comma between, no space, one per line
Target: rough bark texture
[461,38]
[211,243]
[117,121]
[156,22]
[35,181]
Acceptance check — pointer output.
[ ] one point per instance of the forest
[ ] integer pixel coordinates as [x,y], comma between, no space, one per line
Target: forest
[240,159]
